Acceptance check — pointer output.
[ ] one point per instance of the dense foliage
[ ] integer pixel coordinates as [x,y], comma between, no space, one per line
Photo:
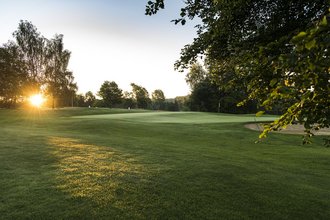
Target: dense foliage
[278,51]
[114,97]
[158,99]
[141,95]
[110,93]
[12,76]
[32,64]
[208,96]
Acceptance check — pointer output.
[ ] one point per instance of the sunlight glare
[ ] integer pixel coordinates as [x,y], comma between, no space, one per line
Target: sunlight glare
[36,100]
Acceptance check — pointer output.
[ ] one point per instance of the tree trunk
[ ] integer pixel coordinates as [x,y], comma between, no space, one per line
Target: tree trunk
[53,101]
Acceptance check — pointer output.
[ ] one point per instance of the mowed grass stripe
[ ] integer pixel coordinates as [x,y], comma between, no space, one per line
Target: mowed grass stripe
[180,117]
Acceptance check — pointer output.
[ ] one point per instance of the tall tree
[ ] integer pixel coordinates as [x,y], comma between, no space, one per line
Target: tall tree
[195,75]
[31,48]
[13,76]
[204,97]
[68,90]
[89,98]
[38,65]
[79,100]
[141,96]
[110,93]
[128,100]
[158,99]
[57,78]
[256,41]
[182,103]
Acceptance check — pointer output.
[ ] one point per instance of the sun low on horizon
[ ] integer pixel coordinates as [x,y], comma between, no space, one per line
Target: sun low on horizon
[37,100]
[103,40]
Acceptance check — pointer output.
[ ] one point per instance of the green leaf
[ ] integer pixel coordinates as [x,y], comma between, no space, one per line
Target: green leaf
[273,93]
[260,113]
[242,103]
[324,21]
[273,82]
[299,37]
[311,67]
[266,102]
[302,34]
[309,45]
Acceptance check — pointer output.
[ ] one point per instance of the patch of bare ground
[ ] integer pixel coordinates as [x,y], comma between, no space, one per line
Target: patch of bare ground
[291,129]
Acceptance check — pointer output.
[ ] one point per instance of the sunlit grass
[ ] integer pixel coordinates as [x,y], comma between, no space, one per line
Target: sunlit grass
[91,171]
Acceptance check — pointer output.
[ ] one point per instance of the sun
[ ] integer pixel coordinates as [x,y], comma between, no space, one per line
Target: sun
[36,100]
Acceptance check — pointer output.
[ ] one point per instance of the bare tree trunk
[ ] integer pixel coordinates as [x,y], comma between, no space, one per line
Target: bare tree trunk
[53,100]
[72,100]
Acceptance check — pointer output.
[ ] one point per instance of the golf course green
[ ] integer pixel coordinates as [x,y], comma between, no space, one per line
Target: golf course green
[80,163]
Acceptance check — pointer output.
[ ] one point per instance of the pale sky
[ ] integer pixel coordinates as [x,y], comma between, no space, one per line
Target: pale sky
[110,40]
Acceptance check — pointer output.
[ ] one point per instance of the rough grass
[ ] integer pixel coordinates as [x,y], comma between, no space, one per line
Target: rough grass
[119,164]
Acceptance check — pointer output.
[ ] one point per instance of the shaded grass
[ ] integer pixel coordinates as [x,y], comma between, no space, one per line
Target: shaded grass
[155,165]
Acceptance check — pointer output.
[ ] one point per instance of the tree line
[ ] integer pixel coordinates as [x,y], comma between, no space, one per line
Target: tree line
[205,96]
[111,96]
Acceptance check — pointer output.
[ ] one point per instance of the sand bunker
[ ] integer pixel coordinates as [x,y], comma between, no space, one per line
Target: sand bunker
[291,129]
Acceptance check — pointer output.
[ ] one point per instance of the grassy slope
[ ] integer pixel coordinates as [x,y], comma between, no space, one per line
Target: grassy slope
[155,165]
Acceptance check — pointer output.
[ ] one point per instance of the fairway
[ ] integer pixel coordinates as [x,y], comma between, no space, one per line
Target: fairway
[85,163]
[179,117]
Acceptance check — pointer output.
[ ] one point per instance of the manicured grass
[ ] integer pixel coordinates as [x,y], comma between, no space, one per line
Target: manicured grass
[120,164]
